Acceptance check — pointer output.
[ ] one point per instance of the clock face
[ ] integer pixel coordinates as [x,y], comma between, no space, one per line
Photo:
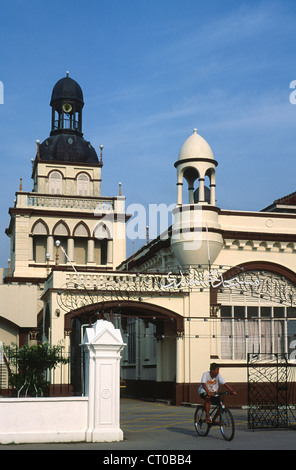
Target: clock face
[67,108]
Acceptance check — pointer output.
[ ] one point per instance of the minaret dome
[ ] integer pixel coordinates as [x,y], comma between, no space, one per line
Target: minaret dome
[196,162]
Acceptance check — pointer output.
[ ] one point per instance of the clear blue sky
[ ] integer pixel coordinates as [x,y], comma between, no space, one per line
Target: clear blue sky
[151,71]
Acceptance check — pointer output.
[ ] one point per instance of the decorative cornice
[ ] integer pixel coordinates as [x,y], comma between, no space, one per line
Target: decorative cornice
[242,235]
[188,160]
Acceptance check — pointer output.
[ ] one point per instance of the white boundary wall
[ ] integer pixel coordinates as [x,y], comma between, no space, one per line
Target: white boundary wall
[43,419]
[94,418]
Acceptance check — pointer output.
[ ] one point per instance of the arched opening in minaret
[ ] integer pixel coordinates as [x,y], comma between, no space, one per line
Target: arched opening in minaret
[206,190]
[191,175]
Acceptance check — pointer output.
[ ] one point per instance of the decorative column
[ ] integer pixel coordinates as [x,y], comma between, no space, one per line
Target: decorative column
[179,193]
[31,248]
[70,249]
[109,251]
[179,187]
[213,194]
[180,359]
[201,190]
[213,188]
[90,250]
[50,247]
[103,344]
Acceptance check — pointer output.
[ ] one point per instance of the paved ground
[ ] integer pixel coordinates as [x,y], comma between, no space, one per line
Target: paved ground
[157,427]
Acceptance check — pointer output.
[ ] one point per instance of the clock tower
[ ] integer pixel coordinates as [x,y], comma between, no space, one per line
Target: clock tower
[66,204]
[66,142]
[67,103]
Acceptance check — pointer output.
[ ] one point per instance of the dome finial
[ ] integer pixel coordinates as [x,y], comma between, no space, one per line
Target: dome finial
[67,73]
[195,131]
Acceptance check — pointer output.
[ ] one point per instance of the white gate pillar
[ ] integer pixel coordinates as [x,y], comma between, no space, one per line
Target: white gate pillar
[103,344]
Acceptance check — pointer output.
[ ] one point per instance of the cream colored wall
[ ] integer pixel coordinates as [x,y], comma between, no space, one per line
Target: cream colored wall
[69,173]
[22,257]
[8,332]
[237,251]
[19,304]
[166,357]
[265,222]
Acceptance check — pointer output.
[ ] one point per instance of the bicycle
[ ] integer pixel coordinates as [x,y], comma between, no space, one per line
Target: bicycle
[220,411]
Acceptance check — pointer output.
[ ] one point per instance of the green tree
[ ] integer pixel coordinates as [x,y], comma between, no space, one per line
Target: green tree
[29,365]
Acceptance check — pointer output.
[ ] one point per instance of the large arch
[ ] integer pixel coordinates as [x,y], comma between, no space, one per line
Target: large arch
[261,266]
[125,308]
[164,321]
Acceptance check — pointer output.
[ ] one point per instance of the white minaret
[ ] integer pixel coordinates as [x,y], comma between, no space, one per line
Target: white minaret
[196,162]
[196,237]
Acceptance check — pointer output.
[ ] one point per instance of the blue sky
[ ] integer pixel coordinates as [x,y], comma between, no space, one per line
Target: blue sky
[151,71]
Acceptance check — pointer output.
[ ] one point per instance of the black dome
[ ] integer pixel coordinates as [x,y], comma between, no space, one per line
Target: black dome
[67,148]
[67,89]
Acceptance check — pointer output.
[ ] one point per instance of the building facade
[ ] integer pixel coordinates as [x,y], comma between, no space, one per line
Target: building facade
[216,286]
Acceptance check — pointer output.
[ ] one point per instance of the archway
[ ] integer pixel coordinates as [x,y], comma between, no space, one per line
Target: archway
[150,331]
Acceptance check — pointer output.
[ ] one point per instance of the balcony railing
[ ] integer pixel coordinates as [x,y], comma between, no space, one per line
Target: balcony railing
[67,202]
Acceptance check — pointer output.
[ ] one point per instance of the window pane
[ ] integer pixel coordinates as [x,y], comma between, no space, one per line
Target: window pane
[239,312]
[39,248]
[83,185]
[279,312]
[226,339]
[292,339]
[278,336]
[266,337]
[265,312]
[97,252]
[253,336]
[81,250]
[252,312]
[239,336]
[291,312]
[100,252]
[55,183]
[226,311]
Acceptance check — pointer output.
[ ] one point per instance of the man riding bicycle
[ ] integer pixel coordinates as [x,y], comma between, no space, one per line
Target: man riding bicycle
[210,382]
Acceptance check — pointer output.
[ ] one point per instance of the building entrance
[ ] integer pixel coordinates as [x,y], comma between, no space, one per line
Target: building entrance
[150,332]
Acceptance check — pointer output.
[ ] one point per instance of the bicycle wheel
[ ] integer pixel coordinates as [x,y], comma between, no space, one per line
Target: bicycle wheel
[201,427]
[227,424]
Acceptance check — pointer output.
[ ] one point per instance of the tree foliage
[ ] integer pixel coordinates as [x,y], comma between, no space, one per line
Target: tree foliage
[28,366]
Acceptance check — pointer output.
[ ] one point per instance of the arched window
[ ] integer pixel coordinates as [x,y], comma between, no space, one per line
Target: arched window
[102,235]
[40,228]
[81,235]
[81,230]
[83,185]
[100,251]
[61,233]
[39,232]
[55,183]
